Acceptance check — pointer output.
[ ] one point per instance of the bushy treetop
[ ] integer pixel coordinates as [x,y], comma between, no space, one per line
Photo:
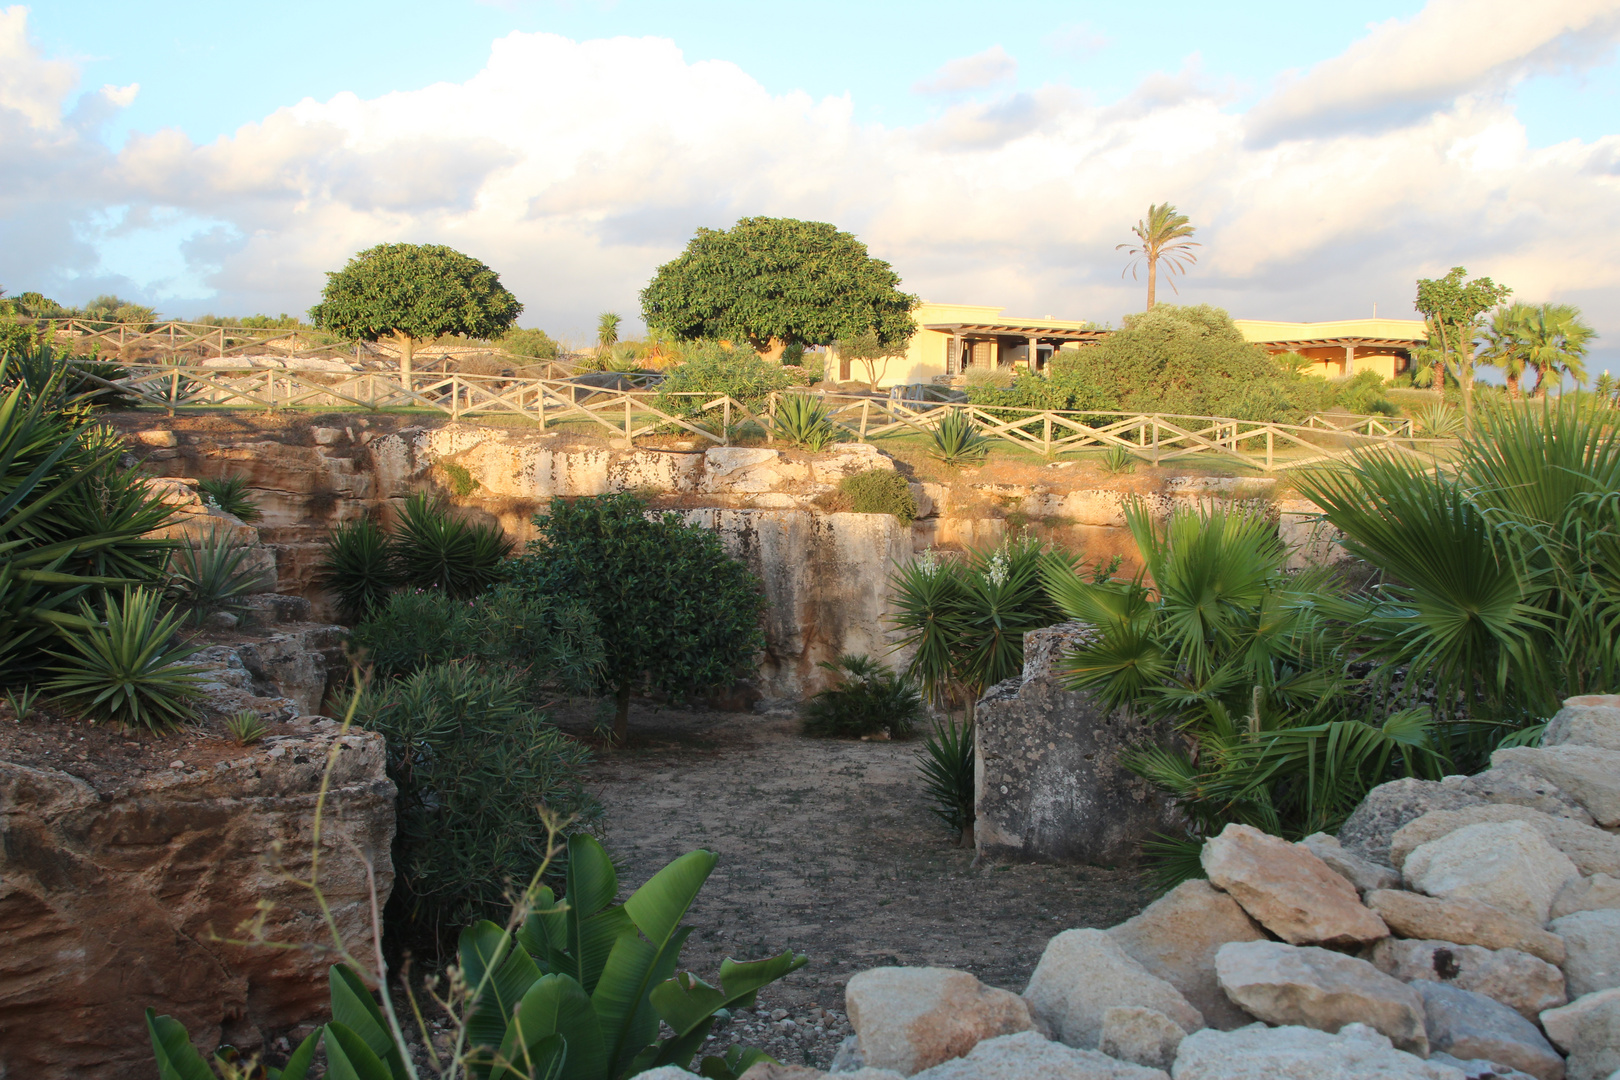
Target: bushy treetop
[778,280]
[415,292]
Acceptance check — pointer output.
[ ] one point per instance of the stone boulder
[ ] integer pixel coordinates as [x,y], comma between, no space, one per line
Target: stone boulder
[1507,864]
[1387,807]
[1361,873]
[1288,890]
[110,899]
[1084,973]
[1469,1025]
[1597,893]
[1466,922]
[1515,785]
[1590,775]
[1356,1052]
[772,1070]
[909,1019]
[1591,720]
[1305,985]
[1592,850]
[1176,937]
[1030,1057]
[1477,1069]
[1524,983]
[1141,1036]
[1588,1030]
[1051,786]
[1592,941]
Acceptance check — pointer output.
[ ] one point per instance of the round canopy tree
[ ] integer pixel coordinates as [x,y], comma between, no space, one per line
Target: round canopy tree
[413,293]
[775,282]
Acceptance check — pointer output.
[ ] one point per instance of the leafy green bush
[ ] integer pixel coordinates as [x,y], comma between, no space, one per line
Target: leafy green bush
[956,441]
[126,669]
[534,343]
[212,577]
[462,482]
[868,699]
[947,766]
[674,611]
[1362,394]
[437,550]
[359,566]
[713,368]
[230,494]
[471,761]
[879,491]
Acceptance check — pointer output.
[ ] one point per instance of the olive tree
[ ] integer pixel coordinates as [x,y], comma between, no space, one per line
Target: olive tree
[775,282]
[675,612]
[414,293]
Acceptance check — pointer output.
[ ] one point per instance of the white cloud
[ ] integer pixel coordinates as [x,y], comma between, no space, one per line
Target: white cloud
[1405,69]
[575,168]
[992,67]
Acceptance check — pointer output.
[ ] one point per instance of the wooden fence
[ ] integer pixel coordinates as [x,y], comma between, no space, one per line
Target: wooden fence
[627,411]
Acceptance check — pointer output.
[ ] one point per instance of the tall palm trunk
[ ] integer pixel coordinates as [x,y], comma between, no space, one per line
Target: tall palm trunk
[1153,277]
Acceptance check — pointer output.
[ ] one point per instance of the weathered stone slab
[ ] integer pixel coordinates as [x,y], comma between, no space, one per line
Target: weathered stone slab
[1292,984]
[1515,785]
[1357,1052]
[1518,980]
[1596,893]
[1592,939]
[1590,775]
[1466,922]
[1592,850]
[1475,1069]
[1051,787]
[1507,864]
[1176,937]
[1591,720]
[1469,1025]
[1288,890]
[1588,1030]
[1084,973]
[909,1019]
[1362,873]
[1140,1036]
[1030,1057]
[1387,807]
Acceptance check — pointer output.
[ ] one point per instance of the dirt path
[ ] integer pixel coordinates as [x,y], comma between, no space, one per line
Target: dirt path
[827,847]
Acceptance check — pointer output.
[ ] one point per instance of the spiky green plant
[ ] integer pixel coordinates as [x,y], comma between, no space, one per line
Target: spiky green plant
[127,669]
[359,566]
[22,701]
[213,576]
[868,699]
[246,728]
[803,420]
[230,494]
[946,762]
[1117,460]
[956,441]
[1439,421]
[435,549]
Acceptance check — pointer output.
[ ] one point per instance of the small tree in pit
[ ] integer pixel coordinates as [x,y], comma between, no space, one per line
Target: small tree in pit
[1452,307]
[414,293]
[674,611]
[872,353]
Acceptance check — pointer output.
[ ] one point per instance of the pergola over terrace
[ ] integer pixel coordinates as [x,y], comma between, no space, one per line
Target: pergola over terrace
[1004,344]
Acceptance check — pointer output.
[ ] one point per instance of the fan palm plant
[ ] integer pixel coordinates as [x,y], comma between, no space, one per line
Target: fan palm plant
[1504,345]
[1555,343]
[1161,237]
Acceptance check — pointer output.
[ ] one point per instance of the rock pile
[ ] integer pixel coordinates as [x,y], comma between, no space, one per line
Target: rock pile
[1455,930]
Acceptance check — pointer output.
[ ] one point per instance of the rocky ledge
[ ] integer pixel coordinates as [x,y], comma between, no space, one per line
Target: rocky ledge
[1463,929]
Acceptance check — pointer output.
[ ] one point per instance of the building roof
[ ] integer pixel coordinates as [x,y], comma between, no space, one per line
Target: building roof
[1042,328]
[1389,333]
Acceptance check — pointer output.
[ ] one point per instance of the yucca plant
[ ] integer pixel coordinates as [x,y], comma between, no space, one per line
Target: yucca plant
[358,565]
[213,576]
[22,701]
[803,420]
[125,668]
[230,494]
[956,441]
[1439,421]
[868,699]
[435,549]
[246,728]
[946,762]
[1117,460]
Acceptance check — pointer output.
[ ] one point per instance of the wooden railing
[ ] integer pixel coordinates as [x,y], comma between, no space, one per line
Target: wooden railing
[629,410]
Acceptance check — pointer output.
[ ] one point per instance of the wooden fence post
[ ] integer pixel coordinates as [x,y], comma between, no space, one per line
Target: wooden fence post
[725,430]
[1046,435]
[1155,442]
[866,406]
[1270,433]
[627,422]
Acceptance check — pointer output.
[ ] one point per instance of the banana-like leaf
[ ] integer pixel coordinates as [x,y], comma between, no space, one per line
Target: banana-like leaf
[483,945]
[297,1067]
[177,1059]
[688,1004]
[350,1057]
[737,1061]
[554,1029]
[628,1021]
[354,1010]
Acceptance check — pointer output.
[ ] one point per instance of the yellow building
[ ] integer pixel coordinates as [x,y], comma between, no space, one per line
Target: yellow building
[1344,347]
[953,338]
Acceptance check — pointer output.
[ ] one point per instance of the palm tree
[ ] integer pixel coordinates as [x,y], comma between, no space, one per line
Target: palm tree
[1505,344]
[607,330]
[1555,343]
[1162,237]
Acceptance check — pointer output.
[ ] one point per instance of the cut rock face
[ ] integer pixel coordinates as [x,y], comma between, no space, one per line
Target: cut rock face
[1588,1030]
[1590,775]
[908,1019]
[1506,864]
[1141,1036]
[1298,1053]
[1175,938]
[1592,939]
[1364,875]
[1592,850]
[1288,890]
[1030,1057]
[1290,984]
[1522,982]
[1084,973]
[1469,1025]
[1466,922]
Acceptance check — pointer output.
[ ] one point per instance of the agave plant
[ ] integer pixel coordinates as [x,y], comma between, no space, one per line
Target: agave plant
[436,550]
[358,565]
[956,441]
[1117,460]
[803,421]
[127,669]
[230,494]
[1439,421]
[213,576]
[946,762]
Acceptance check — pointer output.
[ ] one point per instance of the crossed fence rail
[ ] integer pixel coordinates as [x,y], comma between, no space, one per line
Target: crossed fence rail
[627,409]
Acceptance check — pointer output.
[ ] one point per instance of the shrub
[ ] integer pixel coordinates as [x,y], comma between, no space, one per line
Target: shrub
[534,343]
[127,670]
[869,699]
[674,611]
[713,368]
[1362,394]
[359,566]
[462,482]
[230,494]
[211,577]
[947,765]
[471,761]
[879,491]
[956,441]
[437,550]
[996,378]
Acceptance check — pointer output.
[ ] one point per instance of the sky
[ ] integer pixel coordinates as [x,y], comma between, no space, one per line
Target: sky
[222,158]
